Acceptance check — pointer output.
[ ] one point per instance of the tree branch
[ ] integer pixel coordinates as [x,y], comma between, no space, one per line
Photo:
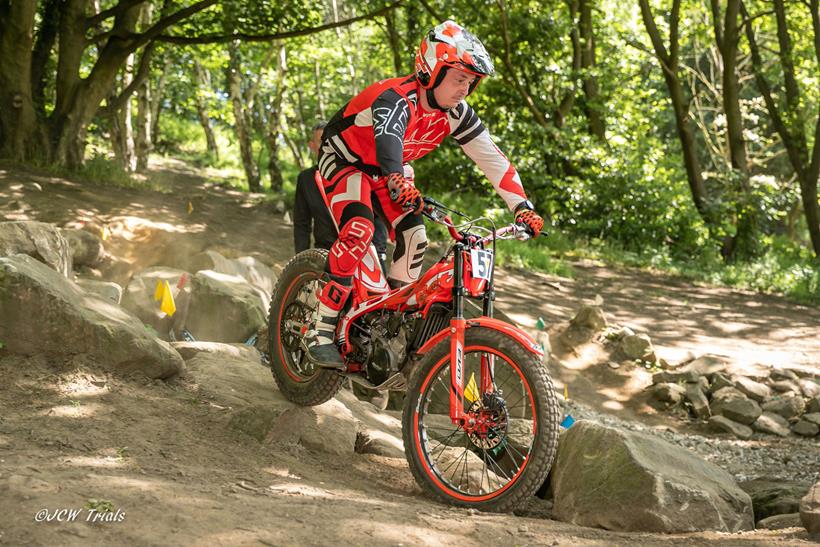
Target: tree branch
[121,7]
[223,38]
[143,71]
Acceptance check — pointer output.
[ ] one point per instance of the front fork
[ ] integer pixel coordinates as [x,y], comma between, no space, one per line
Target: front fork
[458,326]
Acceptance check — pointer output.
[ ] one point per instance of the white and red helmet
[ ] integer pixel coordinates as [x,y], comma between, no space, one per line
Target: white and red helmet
[451,45]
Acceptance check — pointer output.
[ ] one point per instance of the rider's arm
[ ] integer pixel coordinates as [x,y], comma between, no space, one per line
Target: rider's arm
[390,114]
[470,133]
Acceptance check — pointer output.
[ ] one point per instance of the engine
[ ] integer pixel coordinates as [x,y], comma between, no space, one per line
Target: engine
[380,340]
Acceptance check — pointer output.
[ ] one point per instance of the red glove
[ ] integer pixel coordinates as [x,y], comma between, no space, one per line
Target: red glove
[530,219]
[404,193]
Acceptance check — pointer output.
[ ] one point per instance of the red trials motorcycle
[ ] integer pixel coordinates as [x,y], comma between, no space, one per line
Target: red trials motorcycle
[480,419]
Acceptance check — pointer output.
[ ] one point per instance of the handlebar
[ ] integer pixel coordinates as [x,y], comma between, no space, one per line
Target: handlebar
[437,212]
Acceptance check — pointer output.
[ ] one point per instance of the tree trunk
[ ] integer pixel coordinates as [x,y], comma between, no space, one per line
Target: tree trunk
[240,122]
[144,138]
[319,95]
[46,37]
[19,139]
[594,106]
[394,39]
[669,65]
[156,97]
[203,83]
[274,117]
[743,243]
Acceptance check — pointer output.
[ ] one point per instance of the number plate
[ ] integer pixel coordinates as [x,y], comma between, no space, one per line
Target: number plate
[482,263]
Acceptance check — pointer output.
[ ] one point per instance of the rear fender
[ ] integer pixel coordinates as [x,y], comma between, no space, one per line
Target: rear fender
[490,323]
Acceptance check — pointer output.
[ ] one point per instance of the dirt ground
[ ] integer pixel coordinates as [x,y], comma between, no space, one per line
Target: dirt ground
[163,454]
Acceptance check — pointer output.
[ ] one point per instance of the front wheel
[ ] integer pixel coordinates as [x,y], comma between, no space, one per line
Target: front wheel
[291,312]
[503,452]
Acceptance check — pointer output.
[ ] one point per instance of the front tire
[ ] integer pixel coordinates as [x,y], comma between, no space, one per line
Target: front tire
[291,310]
[504,463]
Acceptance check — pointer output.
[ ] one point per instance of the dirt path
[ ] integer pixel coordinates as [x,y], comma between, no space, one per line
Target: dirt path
[164,452]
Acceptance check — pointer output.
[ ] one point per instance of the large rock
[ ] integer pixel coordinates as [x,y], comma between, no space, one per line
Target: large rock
[86,248]
[787,405]
[104,289]
[224,308]
[628,481]
[139,300]
[814,404]
[589,317]
[43,312]
[671,394]
[810,388]
[780,522]
[638,346]
[810,511]
[258,275]
[774,497]
[329,427]
[674,376]
[39,240]
[698,400]
[755,390]
[744,411]
[805,428]
[725,425]
[774,424]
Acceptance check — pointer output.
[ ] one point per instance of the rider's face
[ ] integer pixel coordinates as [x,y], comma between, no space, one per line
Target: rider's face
[453,88]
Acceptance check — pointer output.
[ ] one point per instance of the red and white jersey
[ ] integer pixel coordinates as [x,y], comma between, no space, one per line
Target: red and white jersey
[385,127]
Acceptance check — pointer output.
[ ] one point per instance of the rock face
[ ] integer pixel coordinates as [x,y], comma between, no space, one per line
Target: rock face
[725,425]
[658,486]
[257,274]
[224,308]
[788,405]
[43,312]
[139,300]
[810,511]
[744,411]
[86,248]
[775,424]
[329,427]
[771,497]
[41,241]
[104,289]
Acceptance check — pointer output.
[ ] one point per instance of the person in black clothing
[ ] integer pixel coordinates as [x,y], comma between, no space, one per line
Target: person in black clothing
[309,209]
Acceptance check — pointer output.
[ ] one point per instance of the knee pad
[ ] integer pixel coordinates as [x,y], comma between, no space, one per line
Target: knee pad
[351,247]
[408,257]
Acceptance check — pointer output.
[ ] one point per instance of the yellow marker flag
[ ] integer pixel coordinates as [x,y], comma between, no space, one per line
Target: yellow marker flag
[159,290]
[104,233]
[190,208]
[566,393]
[471,391]
[167,304]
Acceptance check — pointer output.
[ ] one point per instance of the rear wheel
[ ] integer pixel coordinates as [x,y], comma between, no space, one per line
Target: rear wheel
[292,308]
[501,455]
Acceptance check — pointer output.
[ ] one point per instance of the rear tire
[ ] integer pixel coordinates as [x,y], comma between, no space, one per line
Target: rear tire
[298,380]
[426,426]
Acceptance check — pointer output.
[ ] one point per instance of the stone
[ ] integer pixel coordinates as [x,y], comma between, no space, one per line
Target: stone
[810,511]
[787,405]
[43,312]
[719,381]
[744,411]
[725,425]
[757,391]
[104,289]
[774,497]
[700,405]
[256,421]
[637,346]
[674,376]
[783,374]
[138,298]
[810,388]
[805,428]
[39,240]
[774,424]
[780,522]
[651,481]
[329,427]
[708,364]
[726,394]
[813,405]
[785,386]
[223,308]
[668,393]
[812,417]
[86,248]
[189,350]
[590,317]
[257,274]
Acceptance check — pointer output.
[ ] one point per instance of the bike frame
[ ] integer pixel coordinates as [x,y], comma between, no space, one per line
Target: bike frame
[449,280]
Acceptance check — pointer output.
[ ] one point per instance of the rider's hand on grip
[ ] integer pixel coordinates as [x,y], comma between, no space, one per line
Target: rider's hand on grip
[404,193]
[531,220]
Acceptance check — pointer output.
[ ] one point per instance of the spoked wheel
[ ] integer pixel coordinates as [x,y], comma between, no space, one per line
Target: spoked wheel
[502,452]
[291,311]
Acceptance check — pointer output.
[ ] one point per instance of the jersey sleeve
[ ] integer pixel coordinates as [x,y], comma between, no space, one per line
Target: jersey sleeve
[468,131]
[390,114]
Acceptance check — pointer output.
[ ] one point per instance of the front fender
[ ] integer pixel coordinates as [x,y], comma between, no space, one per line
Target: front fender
[491,323]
